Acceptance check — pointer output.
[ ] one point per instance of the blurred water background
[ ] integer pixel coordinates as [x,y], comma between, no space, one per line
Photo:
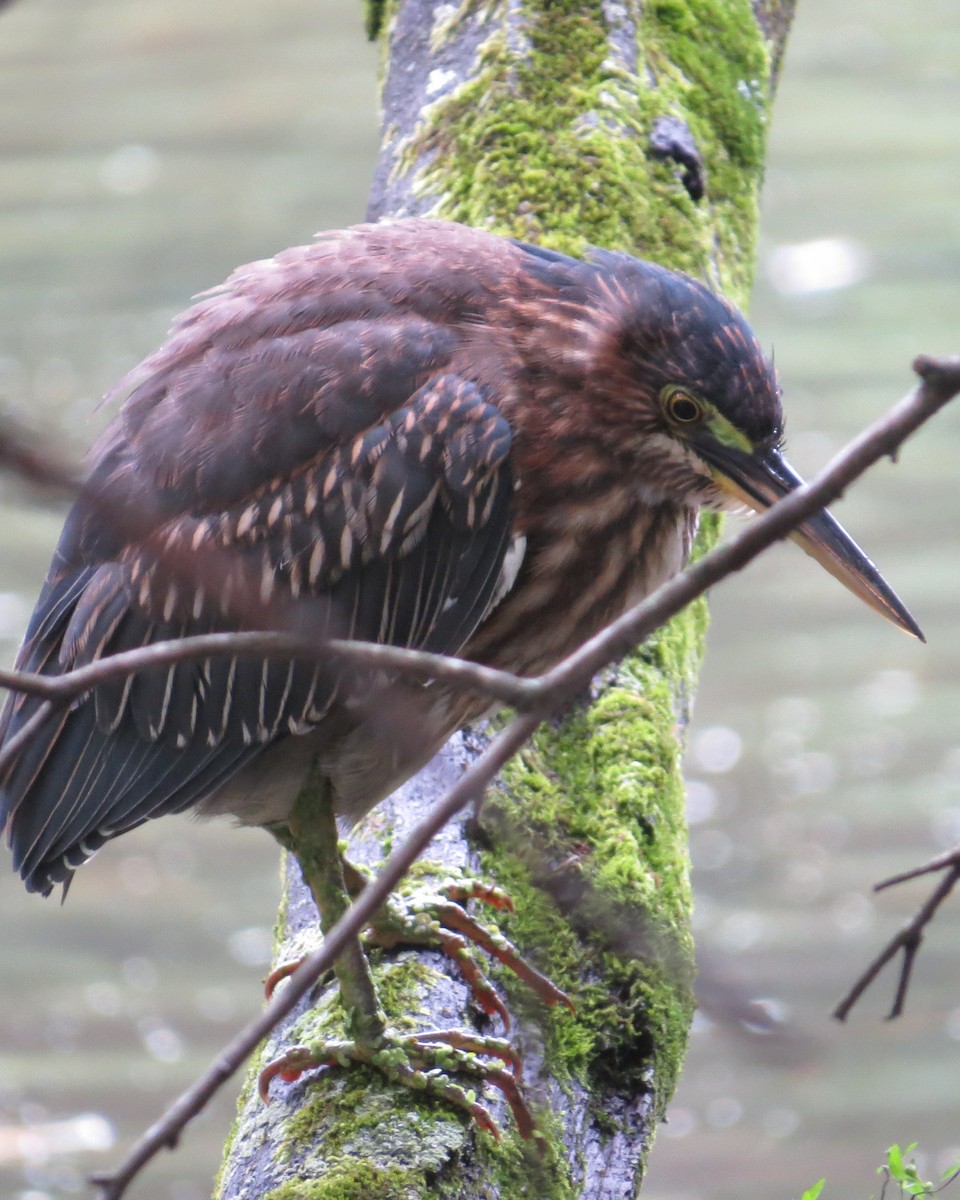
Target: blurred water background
[145,149]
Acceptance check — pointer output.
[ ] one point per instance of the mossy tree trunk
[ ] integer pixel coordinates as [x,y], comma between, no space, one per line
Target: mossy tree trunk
[569,122]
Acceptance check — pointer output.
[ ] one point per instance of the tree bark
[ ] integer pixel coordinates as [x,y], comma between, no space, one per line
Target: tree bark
[569,122]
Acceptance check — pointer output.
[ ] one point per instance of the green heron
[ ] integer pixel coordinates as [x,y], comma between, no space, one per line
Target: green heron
[413,433]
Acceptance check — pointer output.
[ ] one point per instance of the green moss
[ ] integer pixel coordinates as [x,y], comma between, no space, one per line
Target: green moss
[374,18]
[518,1172]
[553,145]
[353,1181]
[401,985]
[710,65]
[357,1112]
[603,791]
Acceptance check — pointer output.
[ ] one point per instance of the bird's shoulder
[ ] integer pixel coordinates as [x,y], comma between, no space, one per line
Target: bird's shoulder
[298,355]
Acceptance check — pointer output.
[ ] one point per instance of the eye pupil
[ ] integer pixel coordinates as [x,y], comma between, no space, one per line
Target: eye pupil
[683,409]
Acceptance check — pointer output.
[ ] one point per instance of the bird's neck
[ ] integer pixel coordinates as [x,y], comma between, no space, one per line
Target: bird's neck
[586,561]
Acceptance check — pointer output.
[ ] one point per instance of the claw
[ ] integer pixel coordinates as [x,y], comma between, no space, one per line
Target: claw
[460,1039]
[288,1067]
[474,889]
[284,971]
[278,975]
[437,1084]
[484,1118]
[497,946]
[507,1083]
[457,950]
[423,1062]
[443,924]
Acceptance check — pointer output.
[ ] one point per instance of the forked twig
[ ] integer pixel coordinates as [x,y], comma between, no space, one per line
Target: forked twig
[909,938]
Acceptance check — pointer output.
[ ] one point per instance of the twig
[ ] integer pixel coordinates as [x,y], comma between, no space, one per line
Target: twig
[24,455]
[420,665]
[28,730]
[908,939]
[928,868]
[940,382]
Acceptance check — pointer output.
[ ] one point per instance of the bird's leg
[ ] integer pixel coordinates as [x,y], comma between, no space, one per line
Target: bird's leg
[422,1061]
[311,835]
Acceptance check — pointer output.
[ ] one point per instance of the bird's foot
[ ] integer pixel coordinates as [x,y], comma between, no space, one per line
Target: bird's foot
[425,1062]
[437,920]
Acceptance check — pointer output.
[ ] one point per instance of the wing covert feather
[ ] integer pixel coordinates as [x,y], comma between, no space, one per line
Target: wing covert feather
[395,531]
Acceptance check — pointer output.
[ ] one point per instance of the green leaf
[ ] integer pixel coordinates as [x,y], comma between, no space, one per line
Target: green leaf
[895,1163]
[813,1192]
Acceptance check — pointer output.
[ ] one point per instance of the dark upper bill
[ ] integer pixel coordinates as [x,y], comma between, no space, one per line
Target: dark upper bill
[761,479]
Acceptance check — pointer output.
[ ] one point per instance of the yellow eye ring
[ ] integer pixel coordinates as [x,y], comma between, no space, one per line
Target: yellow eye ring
[681,407]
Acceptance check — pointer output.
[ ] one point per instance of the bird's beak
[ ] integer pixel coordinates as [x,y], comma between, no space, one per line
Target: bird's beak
[762,478]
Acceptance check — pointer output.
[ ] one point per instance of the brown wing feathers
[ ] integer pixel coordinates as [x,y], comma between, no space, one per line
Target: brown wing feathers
[326,469]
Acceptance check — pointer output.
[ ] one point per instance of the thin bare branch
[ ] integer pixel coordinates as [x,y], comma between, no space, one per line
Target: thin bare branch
[24,455]
[928,868]
[940,382]
[456,673]
[908,939]
[29,730]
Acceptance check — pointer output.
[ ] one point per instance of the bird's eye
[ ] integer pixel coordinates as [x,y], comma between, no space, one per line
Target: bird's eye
[682,407]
